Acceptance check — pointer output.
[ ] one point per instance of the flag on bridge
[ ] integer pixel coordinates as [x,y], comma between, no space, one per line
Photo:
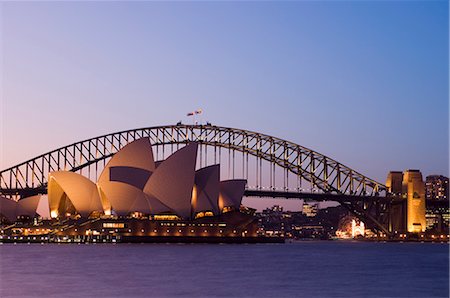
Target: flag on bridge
[196,112]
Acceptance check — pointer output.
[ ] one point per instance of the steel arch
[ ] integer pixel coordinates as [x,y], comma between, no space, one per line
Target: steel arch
[327,174]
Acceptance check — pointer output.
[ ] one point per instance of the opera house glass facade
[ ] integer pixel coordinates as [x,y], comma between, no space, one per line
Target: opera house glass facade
[135,199]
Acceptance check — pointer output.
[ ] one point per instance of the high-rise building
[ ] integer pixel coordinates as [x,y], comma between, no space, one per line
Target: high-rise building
[434,219]
[436,188]
[437,193]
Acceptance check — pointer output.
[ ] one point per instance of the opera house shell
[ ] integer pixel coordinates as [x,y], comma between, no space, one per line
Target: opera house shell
[10,210]
[133,186]
[132,182]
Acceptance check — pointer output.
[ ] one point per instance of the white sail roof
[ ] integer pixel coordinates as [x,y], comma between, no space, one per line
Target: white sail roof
[43,207]
[134,176]
[81,191]
[55,195]
[137,154]
[172,181]
[28,205]
[231,193]
[125,198]
[206,189]
[11,209]
[8,208]
[132,181]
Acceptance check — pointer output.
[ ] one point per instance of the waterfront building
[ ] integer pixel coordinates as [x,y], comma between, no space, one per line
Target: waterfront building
[437,216]
[132,183]
[433,219]
[295,224]
[358,229]
[437,211]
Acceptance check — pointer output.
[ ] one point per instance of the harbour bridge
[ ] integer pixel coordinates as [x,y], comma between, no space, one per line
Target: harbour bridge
[273,167]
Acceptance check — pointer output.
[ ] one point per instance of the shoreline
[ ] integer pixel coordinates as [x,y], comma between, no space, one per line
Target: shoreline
[189,240]
[140,239]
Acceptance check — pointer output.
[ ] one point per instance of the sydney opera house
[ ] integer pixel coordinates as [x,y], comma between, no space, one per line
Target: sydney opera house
[135,200]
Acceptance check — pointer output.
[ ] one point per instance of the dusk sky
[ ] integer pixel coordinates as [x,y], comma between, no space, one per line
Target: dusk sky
[363,82]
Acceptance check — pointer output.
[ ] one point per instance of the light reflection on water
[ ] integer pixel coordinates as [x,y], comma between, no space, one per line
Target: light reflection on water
[302,269]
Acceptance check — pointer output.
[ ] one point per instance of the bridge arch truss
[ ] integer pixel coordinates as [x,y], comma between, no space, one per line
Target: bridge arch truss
[267,163]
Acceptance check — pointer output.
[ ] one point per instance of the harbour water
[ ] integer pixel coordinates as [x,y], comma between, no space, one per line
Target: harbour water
[301,269]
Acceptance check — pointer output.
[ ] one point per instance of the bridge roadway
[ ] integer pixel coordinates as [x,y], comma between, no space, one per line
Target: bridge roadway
[312,196]
[317,196]
[307,196]
[250,193]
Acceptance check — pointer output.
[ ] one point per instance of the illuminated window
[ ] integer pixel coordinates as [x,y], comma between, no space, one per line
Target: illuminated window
[166,217]
[227,209]
[204,214]
[113,225]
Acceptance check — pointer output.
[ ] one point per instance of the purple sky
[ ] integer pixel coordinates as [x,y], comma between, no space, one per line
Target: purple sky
[365,83]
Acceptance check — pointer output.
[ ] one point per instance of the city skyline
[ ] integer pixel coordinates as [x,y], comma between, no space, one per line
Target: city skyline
[373,97]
